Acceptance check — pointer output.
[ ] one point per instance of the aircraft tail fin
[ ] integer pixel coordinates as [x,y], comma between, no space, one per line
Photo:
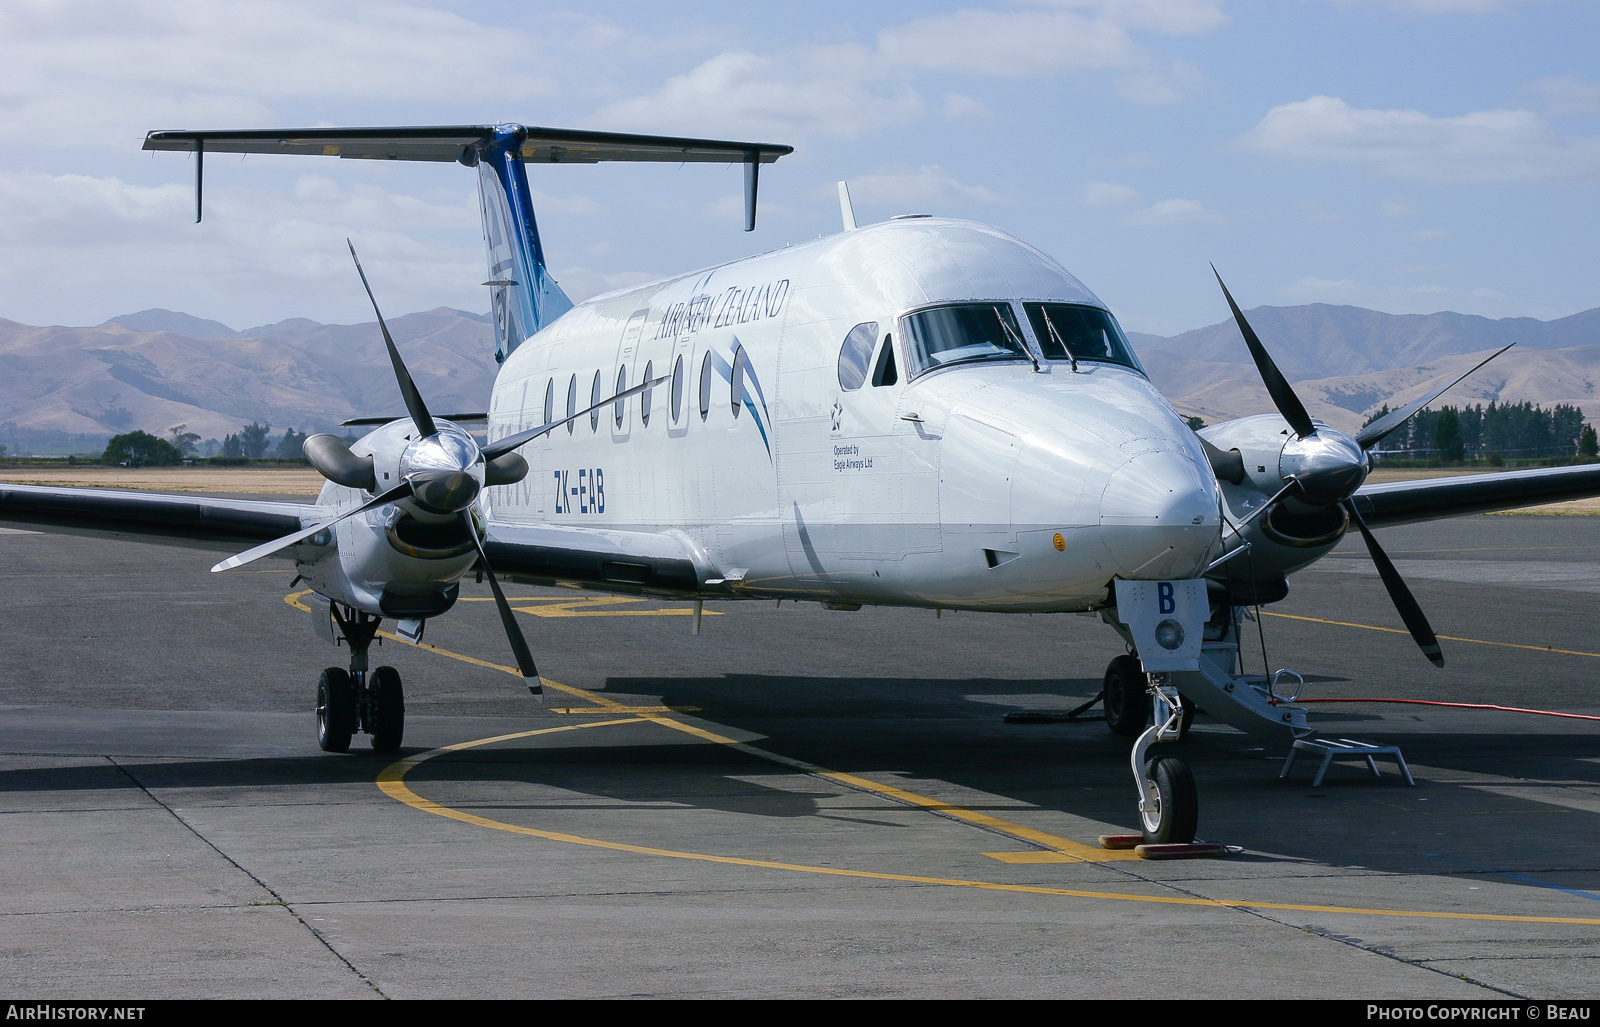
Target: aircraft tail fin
[525,297]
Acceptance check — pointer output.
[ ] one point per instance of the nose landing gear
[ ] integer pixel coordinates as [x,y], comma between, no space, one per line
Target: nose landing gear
[1169,809]
[351,701]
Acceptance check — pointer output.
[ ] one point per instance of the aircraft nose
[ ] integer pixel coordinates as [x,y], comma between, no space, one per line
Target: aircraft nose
[1159,517]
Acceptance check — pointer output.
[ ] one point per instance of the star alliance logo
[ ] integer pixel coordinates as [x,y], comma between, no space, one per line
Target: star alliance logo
[838,414]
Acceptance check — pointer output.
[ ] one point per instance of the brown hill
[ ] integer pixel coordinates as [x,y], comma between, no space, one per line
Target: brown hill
[1346,361]
[297,374]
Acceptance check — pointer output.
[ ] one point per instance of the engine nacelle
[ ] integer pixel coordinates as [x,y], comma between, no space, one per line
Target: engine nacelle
[1301,527]
[405,559]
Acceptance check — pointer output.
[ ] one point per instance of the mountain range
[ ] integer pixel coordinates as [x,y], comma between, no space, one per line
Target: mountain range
[155,369]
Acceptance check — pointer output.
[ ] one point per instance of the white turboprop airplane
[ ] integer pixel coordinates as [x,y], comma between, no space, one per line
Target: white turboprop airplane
[922,412]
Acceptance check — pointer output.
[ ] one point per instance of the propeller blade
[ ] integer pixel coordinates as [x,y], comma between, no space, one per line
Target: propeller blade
[522,438]
[1283,396]
[508,618]
[400,491]
[1374,432]
[1399,594]
[408,389]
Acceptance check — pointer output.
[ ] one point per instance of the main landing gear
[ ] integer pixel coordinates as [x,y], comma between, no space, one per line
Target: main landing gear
[351,701]
[1168,806]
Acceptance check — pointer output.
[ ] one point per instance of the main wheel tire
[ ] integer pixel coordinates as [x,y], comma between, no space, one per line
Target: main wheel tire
[336,710]
[1179,807]
[388,710]
[1125,697]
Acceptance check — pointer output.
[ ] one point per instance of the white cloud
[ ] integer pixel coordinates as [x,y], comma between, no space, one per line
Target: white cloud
[1109,194]
[1174,212]
[827,91]
[1563,95]
[1154,87]
[581,283]
[1398,207]
[1485,146]
[139,247]
[846,90]
[959,106]
[175,64]
[927,188]
[1010,44]
[1442,6]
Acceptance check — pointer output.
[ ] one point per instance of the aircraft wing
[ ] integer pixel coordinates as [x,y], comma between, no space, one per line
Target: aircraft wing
[649,563]
[1406,502]
[197,522]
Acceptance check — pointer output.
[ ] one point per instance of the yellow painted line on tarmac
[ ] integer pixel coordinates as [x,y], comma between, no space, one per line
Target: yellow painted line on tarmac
[1076,851]
[392,782]
[1445,638]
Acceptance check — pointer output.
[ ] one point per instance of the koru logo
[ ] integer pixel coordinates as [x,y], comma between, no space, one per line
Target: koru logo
[838,414]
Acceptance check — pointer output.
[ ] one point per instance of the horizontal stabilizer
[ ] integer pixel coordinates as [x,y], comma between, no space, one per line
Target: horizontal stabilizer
[452,142]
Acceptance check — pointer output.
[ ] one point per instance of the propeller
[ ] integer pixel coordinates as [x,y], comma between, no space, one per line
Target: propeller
[1374,432]
[1399,594]
[508,618]
[400,491]
[1283,396]
[408,389]
[1326,466]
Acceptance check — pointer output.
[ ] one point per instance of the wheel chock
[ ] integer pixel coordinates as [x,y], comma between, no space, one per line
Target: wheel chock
[1121,841]
[1197,850]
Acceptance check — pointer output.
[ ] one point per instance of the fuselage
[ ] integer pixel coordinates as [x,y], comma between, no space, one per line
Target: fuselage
[972,477]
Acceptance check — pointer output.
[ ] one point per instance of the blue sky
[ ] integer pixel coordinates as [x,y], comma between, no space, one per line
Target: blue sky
[1404,155]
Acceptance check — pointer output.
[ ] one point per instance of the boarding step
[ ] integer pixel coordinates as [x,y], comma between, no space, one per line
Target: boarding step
[1345,749]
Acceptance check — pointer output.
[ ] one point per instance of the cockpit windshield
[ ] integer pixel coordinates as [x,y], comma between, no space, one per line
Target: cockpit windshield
[1067,331]
[965,332]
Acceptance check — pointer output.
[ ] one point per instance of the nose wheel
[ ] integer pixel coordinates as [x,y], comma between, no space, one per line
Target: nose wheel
[353,700]
[1177,808]
[1169,809]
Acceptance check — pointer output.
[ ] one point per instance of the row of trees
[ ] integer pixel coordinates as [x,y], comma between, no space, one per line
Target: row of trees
[1497,431]
[141,449]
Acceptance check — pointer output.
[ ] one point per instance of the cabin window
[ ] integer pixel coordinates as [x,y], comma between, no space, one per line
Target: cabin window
[644,397]
[549,401]
[572,403]
[677,390]
[705,387]
[594,403]
[620,407]
[962,333]
[856,355]
[1068,331]
[884,373]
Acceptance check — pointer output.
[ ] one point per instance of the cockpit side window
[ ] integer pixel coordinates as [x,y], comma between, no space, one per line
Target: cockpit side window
[962,333]
[855,356]
[1067,331]
[884,373]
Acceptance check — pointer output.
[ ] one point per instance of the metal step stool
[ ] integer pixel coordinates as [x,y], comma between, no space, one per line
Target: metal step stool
[1345,749]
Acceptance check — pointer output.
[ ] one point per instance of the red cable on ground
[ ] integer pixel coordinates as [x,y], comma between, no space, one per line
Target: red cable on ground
[1464,706]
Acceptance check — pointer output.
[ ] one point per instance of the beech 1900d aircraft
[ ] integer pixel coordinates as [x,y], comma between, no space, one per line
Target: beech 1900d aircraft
[922,412]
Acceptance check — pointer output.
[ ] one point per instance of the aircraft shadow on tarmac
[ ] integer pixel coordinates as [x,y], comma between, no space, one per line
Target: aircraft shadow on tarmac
[927,735]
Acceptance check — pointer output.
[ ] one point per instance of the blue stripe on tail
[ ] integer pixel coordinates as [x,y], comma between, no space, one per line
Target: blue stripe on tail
[526,298]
